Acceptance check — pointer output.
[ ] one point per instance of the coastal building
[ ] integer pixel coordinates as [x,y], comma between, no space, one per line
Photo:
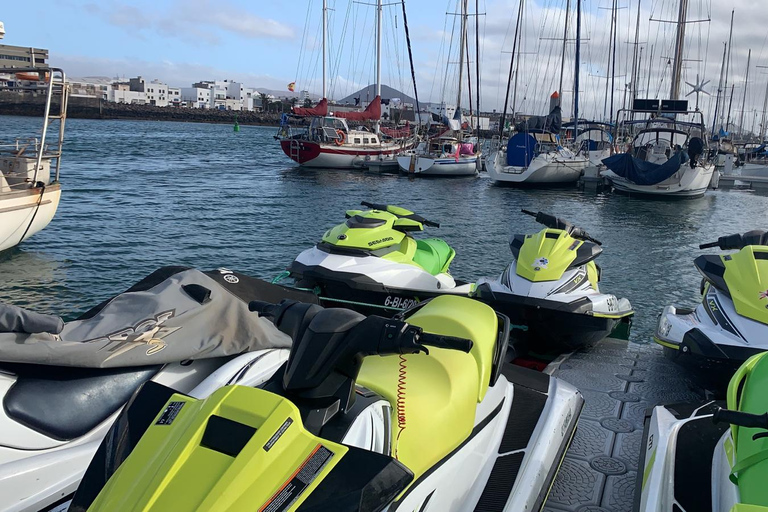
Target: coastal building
[196,97]
[121,93]
[22,57]
[156,91]
[174,96]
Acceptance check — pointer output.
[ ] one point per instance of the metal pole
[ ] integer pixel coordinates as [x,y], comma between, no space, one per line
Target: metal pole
[728,67]
[608,69]
[477,65]
[462,42]
[503,119]
[765,106]
[650,63]
[744,98]
[677,66]
[635,65]
[325,35]
[613,68]
[565,42]
[378,59]
[576,71]
[719,89]
[730,104]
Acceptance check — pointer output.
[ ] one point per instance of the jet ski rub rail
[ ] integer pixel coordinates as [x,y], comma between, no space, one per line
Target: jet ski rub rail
[619,381]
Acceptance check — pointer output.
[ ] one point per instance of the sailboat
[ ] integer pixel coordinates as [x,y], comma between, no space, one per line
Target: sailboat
[535,155]
[448,154]
[329,142]
[668,155]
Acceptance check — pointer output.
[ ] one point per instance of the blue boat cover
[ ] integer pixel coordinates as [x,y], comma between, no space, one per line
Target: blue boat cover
[641,172]
[520,149]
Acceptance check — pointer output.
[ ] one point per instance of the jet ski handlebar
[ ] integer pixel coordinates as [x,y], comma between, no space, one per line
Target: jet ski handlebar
[398,213]
[738,241]
[742,419]
[553,222]
[397,336]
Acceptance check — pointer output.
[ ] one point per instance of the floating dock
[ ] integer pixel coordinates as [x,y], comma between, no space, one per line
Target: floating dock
[744,182]
[619,381]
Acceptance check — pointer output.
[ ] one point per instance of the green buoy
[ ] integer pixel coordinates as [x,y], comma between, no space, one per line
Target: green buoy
[237,126]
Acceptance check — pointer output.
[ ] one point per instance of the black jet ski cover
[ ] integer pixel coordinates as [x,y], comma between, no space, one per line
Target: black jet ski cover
[174,314]
[641,172]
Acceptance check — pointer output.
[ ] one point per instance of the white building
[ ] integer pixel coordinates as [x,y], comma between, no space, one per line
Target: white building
[196,97]
[125,95]
[174,96]
[156,91]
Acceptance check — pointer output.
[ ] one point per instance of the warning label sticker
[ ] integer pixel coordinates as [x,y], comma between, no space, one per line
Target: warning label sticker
[277,435]
[304,475]
[170,413]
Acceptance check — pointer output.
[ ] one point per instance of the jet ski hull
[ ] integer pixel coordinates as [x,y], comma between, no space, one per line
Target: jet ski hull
[713,331]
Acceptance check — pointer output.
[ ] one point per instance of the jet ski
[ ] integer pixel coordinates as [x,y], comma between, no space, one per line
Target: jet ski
[702,457]
[731,323]
[416,412]
[551,288]
[372,263]
[62,385]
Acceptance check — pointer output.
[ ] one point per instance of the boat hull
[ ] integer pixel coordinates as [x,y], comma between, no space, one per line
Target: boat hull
[331,156]
[543,170]
[426,166]
[691,184]
[25,212]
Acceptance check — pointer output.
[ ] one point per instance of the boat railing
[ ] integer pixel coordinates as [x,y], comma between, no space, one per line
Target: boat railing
[52,82]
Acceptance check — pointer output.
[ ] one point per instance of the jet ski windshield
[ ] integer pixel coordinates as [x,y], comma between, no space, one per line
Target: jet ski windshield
[553,222]
[739,241]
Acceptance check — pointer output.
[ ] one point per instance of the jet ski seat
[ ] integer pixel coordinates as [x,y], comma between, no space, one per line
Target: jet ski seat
[433,255]
[442,388]
[66,402]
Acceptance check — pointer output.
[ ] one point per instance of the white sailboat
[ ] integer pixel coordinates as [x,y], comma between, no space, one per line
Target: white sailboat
[29,192]
[537,156]
[668,155]
[448,154]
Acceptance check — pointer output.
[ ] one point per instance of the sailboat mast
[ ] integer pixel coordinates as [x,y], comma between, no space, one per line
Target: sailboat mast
[719,89]
[608,69]
[765,106]
[325,36]
[744,98]
[728,68]
[613,66]
[462,42]
[565,42]
[378,57]
[503,120]
[677,65]
[477,65]
[635,64]
[576,71]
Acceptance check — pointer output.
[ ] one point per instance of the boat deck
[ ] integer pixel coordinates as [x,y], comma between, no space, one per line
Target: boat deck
[619,381]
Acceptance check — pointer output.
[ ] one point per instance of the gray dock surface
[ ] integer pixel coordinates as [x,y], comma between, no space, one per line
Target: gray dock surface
[619,380]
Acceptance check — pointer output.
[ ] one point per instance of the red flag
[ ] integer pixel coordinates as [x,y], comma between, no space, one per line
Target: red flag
[292,86]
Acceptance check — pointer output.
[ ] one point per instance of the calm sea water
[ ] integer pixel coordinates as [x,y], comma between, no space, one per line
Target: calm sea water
[138,195]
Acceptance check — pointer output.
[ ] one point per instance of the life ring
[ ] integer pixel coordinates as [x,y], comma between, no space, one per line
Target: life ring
[341,139]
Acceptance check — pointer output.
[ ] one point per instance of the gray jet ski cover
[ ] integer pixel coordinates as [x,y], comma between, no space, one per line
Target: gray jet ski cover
[172,315]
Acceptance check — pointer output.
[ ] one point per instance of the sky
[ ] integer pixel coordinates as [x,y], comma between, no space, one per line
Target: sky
[268,44]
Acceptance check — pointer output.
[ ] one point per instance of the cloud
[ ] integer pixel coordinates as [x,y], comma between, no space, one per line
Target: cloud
[196,21]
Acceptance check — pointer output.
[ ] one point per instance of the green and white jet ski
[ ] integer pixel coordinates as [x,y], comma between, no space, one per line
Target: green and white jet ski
[731,323]
[413,413]
[551,288]
[372,259]
[693,461]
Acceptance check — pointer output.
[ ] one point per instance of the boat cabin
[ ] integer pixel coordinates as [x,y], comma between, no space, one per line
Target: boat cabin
[335,130]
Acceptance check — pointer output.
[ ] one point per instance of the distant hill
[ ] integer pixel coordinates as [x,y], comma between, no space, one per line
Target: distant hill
[366,94]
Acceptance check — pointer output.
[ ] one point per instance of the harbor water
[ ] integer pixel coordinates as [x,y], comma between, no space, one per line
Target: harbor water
[138,195]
